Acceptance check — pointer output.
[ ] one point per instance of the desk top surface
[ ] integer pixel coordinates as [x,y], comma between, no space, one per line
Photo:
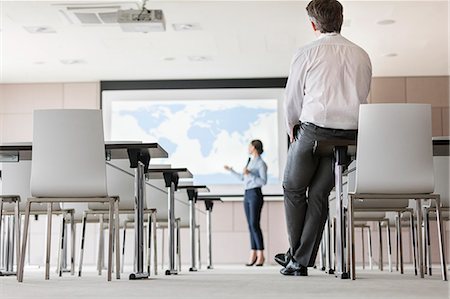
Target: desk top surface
[115,150]
[199,188]
[157,173]
[441,145]
[210,198]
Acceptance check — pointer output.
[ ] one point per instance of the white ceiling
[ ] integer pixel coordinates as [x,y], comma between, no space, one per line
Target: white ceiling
[240,39]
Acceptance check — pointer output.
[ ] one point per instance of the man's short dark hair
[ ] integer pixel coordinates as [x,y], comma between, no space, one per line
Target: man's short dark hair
[326,14]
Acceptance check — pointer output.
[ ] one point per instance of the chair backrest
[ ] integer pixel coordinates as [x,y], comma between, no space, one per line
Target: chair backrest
[442,179]
[68,157]
[394,153]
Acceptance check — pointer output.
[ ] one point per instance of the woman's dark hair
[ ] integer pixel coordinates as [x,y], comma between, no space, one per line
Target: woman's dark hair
[326,14]
[258,146]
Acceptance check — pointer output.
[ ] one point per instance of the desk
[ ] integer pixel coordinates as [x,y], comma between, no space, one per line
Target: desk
[209,203]
[139,155]
[192,192]
[170,177]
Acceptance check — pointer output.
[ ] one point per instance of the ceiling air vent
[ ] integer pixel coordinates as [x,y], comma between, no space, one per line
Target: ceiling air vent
[93,13]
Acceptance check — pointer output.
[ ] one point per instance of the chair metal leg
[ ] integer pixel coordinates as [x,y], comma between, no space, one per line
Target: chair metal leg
[400,241]
[149,245]
[61,245]
[198,248]
[413,241]
[425,231]
[389,245]
[419,237]
[369,245]
[155,247]
[24,242]
[73,235]
[178,249]
[17,223]
[428,261]
[162,248]
[110,239]
[320,253]
[397,245]
[1,234]
[363,248]
[380,257]
[83,234]
[351,236]
[100,246]
[441,239]
[49,240]
[123,245]
[117,237]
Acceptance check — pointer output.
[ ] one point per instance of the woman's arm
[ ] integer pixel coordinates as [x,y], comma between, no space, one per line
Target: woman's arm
[240,176]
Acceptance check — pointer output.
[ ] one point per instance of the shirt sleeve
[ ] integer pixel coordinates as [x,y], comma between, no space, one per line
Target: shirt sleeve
[294,92]
[240,176]
[260,175]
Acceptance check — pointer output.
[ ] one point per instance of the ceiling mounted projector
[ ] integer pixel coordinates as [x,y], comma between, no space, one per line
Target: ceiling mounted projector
[141,20]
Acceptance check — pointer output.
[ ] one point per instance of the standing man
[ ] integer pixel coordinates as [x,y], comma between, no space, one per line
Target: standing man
[328,80]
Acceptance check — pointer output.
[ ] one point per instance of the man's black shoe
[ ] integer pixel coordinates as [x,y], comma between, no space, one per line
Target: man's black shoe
[283,258]
[294,269]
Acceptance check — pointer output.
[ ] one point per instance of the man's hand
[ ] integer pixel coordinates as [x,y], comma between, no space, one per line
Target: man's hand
[294,132]
[245,171]
[227,167]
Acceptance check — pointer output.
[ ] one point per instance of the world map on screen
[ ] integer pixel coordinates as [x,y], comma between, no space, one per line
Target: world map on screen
[202,135]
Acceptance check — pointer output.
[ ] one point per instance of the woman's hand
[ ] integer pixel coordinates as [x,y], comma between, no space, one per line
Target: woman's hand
[245,171]
[227,167]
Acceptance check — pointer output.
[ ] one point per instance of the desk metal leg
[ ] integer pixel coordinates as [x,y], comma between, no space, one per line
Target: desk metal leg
[139,198]
[171,229]
[209,239]
[192,224]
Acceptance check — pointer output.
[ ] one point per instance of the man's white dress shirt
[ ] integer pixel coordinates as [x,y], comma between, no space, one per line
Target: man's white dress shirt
[328,80]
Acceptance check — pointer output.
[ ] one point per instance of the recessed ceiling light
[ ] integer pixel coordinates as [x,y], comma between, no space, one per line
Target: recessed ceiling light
[386,22]
[199,58]
[72,61]
[186,26]
[39,29]
[390,55]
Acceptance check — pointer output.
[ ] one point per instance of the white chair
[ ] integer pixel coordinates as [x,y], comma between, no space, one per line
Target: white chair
[120,181]
[375,211]
[395,161]
[68,165]
[16,180]
[442,179]
[11,238]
